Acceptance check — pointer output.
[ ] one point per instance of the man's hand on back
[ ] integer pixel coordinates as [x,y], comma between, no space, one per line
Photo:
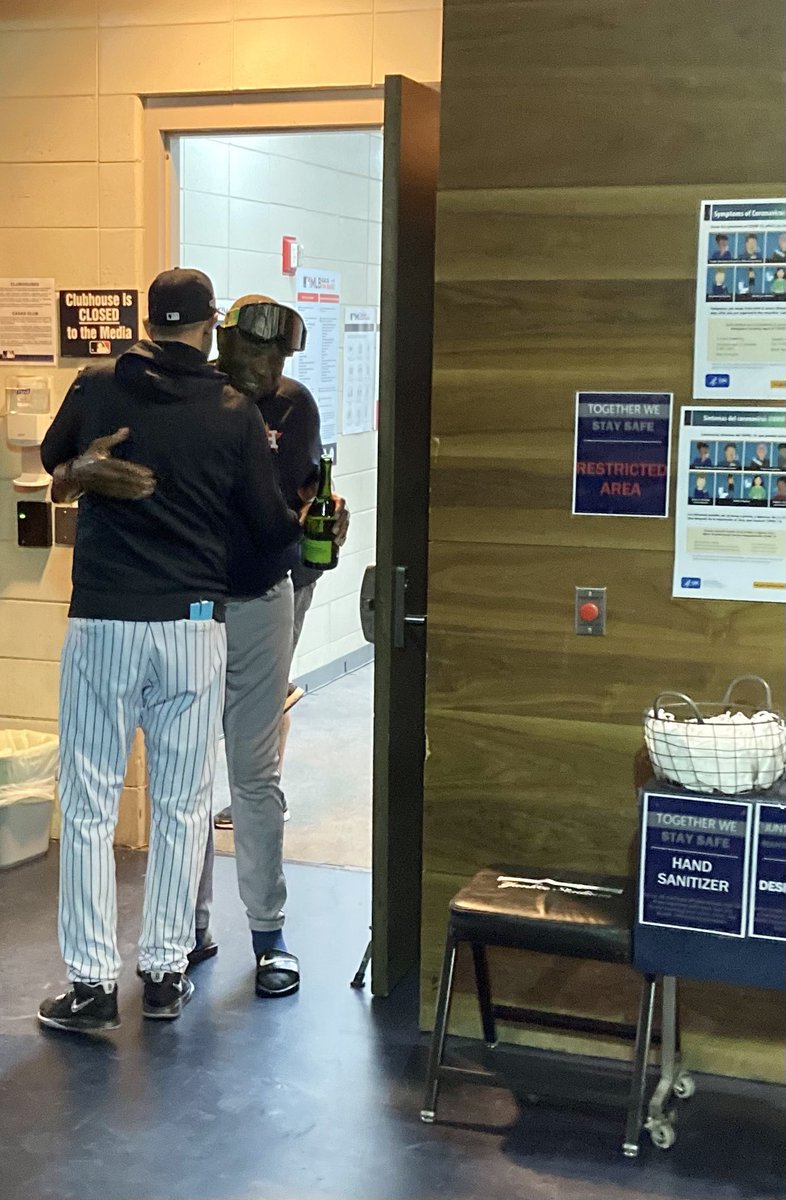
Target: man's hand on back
[99,474]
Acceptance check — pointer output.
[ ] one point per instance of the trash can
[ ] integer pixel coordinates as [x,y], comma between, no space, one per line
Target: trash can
[28,772]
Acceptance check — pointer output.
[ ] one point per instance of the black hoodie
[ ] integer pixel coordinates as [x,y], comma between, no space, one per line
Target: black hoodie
[149,560]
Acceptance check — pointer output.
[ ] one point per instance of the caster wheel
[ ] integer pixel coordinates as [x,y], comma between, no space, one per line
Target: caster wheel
[663,1135]
[685,1087]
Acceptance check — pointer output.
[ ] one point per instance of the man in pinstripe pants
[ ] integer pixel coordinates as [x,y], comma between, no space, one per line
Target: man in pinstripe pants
[146,644]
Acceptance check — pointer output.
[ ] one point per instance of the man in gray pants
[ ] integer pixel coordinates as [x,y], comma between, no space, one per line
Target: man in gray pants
[263,625]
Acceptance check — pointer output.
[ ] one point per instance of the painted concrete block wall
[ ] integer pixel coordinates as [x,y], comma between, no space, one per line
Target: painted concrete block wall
[238,197]
[71,164]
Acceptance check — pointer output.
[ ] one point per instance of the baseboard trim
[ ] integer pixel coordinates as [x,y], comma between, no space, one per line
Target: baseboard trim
[322,676]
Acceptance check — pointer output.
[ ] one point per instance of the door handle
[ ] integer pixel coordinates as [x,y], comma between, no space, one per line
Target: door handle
[401,618]
[367,590]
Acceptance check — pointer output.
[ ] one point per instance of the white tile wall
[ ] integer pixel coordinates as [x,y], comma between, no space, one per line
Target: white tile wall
[240,195]
[205,165]
[206,219]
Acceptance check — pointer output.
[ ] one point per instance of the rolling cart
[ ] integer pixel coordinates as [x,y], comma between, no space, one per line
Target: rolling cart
[712,863]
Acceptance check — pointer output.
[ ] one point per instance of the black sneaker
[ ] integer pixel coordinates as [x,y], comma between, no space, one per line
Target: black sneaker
[204,947]
[223,819]
[85,1008]
[166,993]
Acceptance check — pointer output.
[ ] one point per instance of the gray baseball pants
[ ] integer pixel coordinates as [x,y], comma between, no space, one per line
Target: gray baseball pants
[259,653]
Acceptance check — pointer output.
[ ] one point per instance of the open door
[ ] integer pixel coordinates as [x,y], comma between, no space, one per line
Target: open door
[411,155]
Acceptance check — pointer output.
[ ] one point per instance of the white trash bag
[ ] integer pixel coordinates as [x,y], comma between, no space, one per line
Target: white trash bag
[28,766]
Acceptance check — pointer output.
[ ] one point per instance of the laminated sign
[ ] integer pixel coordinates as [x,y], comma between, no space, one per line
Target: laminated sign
[768,886]
[694,866]
[622,452]
[98,324]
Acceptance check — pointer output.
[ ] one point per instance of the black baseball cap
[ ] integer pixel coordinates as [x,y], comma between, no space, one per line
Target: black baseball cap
[180,297]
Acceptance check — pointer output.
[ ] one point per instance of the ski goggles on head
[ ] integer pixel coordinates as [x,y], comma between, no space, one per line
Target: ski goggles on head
[268,323]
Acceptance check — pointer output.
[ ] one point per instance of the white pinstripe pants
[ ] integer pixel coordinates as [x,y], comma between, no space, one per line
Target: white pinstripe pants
[168,678]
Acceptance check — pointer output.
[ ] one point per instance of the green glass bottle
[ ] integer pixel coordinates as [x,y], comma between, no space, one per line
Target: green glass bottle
[319,550]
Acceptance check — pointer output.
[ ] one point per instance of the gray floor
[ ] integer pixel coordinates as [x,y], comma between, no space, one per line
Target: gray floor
[327,776]
[316,1096]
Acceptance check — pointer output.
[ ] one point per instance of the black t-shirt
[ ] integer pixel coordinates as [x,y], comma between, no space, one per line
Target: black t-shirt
[292,419]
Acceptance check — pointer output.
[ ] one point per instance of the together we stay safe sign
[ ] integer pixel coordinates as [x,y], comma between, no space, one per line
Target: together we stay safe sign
[622,454]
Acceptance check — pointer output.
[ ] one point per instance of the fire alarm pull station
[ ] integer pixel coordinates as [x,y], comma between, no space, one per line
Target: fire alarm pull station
[590,612]
[290,255]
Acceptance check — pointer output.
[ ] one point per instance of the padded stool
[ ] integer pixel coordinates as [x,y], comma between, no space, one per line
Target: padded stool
[568,913]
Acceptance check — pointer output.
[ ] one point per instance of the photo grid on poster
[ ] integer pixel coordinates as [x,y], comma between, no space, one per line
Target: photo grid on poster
[740,331]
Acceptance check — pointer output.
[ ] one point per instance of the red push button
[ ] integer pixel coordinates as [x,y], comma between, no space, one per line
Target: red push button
[589,612]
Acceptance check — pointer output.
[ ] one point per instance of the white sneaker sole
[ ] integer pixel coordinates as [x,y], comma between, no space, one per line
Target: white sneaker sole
[98,1027]
[169,1015]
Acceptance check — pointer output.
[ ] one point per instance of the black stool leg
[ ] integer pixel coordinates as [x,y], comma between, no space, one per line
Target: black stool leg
[638,1087]
[483,986]
[429,1110]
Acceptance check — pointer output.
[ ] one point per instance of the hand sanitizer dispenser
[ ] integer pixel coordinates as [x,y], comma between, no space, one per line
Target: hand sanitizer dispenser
[28,403]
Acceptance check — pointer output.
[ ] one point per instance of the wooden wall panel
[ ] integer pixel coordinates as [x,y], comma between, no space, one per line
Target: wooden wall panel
[578,137]
[571,92]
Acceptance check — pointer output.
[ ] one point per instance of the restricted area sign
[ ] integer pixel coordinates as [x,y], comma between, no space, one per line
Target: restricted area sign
[98,324]
[622,454]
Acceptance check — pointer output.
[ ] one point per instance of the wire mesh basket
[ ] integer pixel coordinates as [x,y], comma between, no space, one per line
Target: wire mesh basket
[725,747]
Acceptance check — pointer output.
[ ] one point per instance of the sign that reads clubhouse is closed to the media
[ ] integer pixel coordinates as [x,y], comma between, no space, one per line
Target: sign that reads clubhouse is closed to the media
[98,324]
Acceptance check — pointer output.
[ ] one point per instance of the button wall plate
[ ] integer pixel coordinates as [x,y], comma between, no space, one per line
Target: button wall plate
[65,525]
[596,599]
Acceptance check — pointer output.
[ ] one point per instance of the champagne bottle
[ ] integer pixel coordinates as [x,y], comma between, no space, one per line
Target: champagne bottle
[319,550]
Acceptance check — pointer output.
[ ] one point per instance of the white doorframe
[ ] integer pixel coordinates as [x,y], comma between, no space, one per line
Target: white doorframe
[257,112]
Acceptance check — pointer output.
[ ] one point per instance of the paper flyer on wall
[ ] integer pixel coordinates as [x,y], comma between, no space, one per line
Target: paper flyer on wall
[740,336]
[730,529]
[361,338]
[319,304]
[27,321]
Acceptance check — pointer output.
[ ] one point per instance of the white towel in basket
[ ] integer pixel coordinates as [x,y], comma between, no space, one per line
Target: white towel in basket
[729,753]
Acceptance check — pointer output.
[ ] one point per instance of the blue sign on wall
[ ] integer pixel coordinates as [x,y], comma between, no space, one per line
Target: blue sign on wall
[694,869]
[622,455]
[768,888]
